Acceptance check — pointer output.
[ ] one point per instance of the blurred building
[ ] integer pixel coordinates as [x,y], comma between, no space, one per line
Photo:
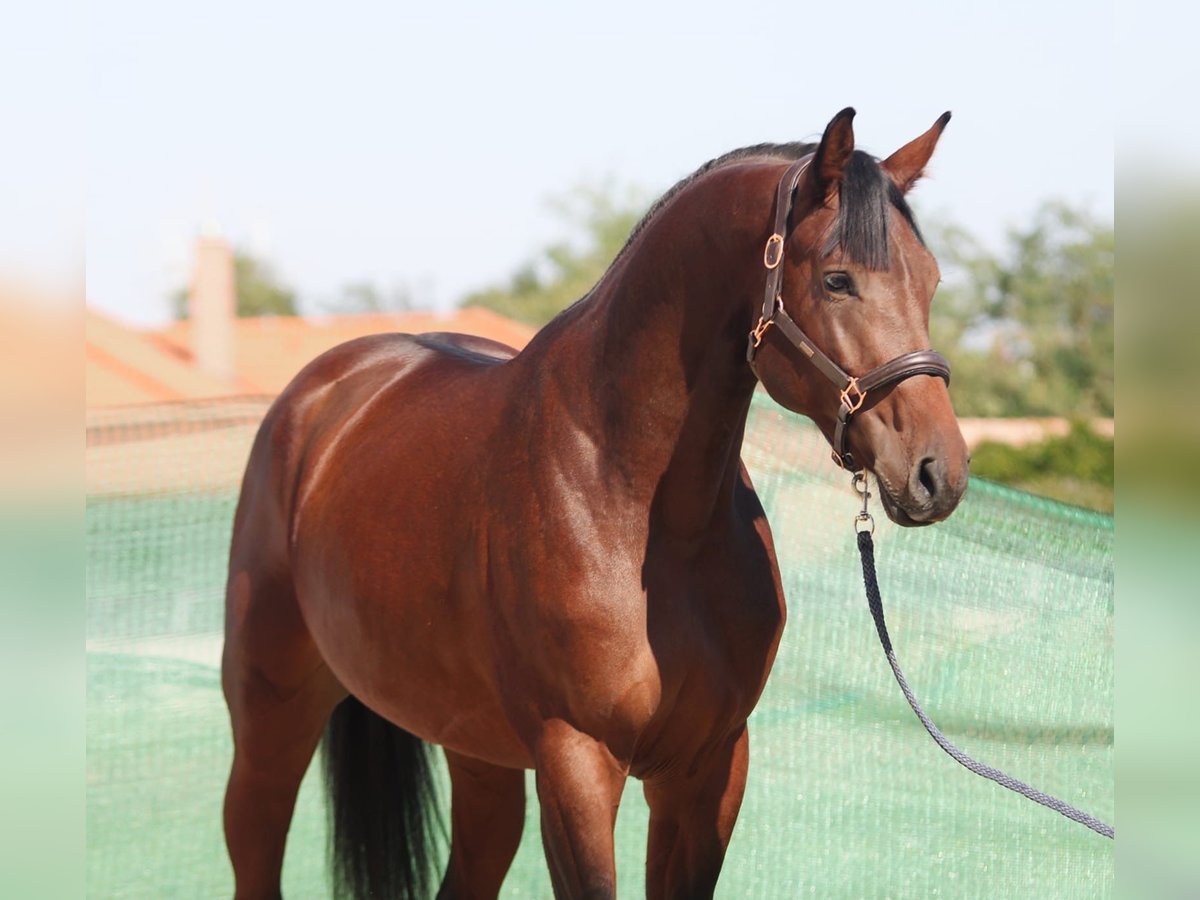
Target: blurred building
[213,353]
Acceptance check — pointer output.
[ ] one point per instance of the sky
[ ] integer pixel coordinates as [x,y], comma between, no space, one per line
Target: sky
[421,145]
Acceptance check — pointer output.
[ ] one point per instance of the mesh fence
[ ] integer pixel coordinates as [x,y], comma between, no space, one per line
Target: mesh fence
[1002,618]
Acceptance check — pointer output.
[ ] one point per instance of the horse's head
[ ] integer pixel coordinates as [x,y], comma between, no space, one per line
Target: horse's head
[855,282]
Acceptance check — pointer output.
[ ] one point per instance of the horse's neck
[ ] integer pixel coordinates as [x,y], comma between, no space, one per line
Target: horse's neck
[665,382]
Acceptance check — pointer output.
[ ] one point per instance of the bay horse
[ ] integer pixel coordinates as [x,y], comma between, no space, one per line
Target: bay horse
[555,559]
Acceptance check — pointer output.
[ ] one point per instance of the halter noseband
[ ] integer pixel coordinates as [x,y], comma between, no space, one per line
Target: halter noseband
[852,391]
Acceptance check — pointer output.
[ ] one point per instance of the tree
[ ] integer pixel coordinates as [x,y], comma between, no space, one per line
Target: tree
[259,290]
[1030,332]
[563,272]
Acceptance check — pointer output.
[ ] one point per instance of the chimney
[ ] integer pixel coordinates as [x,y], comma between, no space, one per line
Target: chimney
[213,306]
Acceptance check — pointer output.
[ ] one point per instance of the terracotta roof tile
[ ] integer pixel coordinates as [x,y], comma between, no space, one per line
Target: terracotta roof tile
[127,366]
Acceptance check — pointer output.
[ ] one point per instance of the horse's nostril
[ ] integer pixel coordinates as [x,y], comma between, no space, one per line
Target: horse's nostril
[926,476]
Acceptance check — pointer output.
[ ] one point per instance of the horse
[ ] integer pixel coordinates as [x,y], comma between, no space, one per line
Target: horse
[555,559]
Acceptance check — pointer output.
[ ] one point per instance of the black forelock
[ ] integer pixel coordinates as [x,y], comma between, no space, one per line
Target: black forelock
[866,195]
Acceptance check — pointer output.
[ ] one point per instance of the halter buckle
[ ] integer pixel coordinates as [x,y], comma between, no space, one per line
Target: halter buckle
[760,329]
[852,404]
[773,252]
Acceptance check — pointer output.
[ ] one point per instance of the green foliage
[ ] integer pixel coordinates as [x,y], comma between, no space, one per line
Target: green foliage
[1077,468]
[563,272]
[1030,333]
[259,290]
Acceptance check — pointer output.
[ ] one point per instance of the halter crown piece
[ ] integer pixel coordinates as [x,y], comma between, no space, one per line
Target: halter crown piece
[852,391]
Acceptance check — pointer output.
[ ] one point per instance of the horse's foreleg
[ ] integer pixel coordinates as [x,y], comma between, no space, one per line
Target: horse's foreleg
[280,695]
[579,787]
[691,821]
[487,814]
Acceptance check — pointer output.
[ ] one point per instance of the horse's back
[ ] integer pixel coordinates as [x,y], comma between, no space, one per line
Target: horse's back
[340,382]
[348,371]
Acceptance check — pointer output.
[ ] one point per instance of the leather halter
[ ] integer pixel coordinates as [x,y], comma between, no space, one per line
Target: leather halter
[852,391]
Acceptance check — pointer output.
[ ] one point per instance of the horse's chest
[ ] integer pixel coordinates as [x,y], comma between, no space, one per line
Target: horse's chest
[714,637]
[711,665]
[731,642]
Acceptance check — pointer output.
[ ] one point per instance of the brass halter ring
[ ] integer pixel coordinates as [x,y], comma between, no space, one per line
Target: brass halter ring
[859,396]
[773,252]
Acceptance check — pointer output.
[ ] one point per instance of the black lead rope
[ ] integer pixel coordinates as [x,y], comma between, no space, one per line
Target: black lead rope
[866,548]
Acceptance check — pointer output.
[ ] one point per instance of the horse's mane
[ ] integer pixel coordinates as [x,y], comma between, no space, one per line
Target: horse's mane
[861,228]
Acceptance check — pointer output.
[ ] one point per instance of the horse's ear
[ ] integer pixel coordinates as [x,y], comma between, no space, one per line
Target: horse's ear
[837,144]
[908,163]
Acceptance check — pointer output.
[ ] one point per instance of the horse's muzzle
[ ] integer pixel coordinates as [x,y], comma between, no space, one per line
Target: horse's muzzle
[930,494]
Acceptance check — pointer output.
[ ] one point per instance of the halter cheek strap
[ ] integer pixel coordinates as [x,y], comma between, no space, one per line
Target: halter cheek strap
[852,391]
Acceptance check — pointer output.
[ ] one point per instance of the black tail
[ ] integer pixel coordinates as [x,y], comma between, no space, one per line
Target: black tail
[383,818]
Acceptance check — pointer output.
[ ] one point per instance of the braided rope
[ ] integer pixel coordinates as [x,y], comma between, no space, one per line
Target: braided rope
[866,549]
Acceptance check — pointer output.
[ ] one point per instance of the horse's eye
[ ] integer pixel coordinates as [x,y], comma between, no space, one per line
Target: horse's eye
[838,283]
